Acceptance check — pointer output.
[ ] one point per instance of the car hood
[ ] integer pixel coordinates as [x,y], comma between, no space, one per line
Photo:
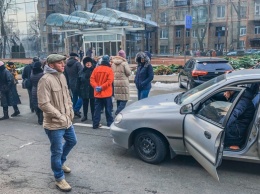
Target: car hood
[160,103]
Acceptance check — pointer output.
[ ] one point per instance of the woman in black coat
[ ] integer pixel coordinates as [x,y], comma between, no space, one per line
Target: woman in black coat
[36,75]
[86,92]
[9,95]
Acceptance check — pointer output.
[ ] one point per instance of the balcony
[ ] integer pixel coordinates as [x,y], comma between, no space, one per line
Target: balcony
[178,22]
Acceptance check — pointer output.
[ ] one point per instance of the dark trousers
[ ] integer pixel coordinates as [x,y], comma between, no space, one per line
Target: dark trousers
[30,98]
[99,103]
[120,105]
[86,102]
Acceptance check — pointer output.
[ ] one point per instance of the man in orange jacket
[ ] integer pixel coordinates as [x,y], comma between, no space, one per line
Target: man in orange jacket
[101,80]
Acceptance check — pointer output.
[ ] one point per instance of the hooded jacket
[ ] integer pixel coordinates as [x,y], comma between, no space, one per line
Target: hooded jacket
[54,100]
[102,76]
[240,119]
[121,71]
[144,74]
[72,70]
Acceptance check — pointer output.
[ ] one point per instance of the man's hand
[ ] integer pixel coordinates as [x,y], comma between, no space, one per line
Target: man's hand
[98,89]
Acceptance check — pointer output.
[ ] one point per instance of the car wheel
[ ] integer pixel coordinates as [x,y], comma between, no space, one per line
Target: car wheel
[180,85]
[150,147]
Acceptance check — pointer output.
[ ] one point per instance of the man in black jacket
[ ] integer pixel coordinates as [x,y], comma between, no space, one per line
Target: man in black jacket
[72,70]
[26,75]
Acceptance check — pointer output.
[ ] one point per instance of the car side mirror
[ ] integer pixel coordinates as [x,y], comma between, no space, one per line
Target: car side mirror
[186,109]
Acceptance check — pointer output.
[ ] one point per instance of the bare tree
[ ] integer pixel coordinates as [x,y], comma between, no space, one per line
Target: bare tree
[237,9]
[5,5]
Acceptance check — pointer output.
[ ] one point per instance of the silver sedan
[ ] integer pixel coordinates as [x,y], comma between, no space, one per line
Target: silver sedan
[190,123]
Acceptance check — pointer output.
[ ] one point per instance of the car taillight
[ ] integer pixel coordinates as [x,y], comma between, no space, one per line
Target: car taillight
[198,73]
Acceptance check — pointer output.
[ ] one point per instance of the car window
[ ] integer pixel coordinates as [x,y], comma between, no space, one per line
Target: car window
[213,66]
[216,107]
[194,93]
[187,65]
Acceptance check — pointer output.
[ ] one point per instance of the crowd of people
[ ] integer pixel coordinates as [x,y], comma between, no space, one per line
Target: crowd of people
[60,86]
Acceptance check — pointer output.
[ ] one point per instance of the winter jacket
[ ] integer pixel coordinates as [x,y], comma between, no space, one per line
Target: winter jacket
[72,70]
[35,77]
[54,100]
[13,71]
[27,73]
[9,95]
[121,71]
[102,76]
[83,84]
[144,74]
[240,119]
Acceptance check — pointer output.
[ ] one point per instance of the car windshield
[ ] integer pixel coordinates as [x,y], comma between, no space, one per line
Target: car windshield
[213,66]
[194,93]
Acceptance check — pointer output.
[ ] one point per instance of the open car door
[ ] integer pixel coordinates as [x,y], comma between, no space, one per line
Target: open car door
[205,142]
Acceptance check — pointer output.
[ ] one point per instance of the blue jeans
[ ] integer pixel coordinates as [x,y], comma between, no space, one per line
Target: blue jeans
[120,106]
[99,104]
[77,102]
[59,151]
[143,94]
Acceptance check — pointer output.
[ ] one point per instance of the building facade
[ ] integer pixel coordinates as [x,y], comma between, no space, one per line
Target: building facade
[222,25]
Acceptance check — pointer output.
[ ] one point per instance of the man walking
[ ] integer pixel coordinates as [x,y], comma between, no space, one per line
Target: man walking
[55,102]
[101,80]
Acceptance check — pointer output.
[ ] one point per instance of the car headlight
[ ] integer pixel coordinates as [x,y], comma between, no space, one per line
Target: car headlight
[118,118]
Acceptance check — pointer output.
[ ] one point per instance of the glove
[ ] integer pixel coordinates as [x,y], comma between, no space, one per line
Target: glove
[98,89]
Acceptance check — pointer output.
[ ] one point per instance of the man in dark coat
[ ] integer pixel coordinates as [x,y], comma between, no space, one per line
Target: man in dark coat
[26,75]
[9,96]
[72,70]
[240,118]
[144,75]
[86,92]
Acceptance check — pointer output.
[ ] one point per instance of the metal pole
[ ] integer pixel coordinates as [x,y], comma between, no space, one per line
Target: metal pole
[184,46]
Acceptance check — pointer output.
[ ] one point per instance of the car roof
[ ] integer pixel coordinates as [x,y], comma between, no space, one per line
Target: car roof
[210,59]
[244,74]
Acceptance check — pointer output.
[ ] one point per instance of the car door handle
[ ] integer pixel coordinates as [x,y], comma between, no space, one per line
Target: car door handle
[207,134]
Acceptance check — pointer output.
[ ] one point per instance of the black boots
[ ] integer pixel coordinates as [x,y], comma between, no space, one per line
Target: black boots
[84,119]
[16,111]
[6,116]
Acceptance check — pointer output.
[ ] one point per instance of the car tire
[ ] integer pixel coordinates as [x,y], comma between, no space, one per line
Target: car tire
[180,85]
[150,147]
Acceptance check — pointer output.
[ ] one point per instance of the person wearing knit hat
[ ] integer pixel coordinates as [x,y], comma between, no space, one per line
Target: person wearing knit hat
[12,68]
[9,95]
[121,53]
[86,92]
[37,73]
[101,80]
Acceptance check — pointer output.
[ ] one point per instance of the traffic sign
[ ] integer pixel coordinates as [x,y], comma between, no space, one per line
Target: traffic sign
[188,21]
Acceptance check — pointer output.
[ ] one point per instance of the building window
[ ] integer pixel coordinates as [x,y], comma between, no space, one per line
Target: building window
[242,31]
[163,49]
[257,8]
[44,28]
[221,11]
[90,5]
[242,44]
[148,16]
[42,4]
[164,34]
[202,30]
[178,33]
[243,11]
[257,29]
[163,2]
[187,33]
[104,5]
[202,13]
[78,7]
[194,34]
[195,46]
[164,17]
[220,31]
[148,3]
[177,48]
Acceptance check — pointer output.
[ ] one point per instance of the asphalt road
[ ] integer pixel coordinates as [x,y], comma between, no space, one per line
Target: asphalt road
[99,167]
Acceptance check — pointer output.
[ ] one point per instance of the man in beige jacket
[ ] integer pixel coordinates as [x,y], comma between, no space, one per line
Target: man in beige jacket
[55,102]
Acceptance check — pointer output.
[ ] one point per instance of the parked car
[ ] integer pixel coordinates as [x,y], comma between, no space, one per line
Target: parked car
[232,53]
[251,51]
[199,70]
[20,70]
[175,124]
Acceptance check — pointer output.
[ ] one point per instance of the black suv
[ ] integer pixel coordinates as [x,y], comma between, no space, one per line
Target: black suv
[199,70]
